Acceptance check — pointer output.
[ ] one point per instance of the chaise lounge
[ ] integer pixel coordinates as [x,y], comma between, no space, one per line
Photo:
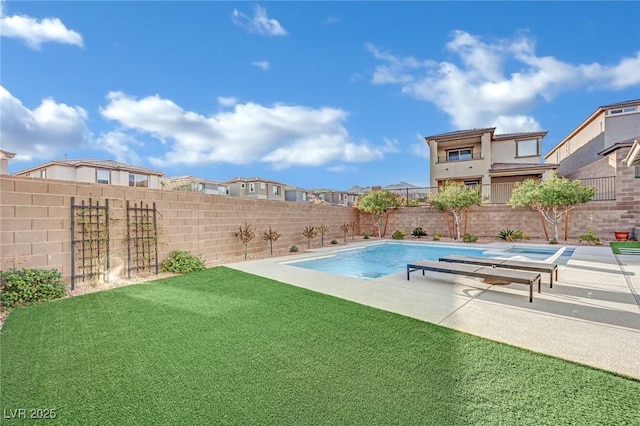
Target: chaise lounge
[550,268]
[509,275]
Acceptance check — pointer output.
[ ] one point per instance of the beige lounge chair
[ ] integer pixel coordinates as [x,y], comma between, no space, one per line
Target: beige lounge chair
[523,265]
[509,275]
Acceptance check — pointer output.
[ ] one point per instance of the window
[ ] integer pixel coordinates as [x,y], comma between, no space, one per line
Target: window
[252,187]
[459,154]
[263,185]
[627,110]
[43,173]
[637,174]
[103,176]
[557,156]
[276,190]
[140,181]
[304,194]
[527,148]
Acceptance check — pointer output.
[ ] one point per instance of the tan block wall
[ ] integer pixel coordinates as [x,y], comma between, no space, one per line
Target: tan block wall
[35,222]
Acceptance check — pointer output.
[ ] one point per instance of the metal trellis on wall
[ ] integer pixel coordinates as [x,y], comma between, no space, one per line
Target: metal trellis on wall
[142,238]
[89,241]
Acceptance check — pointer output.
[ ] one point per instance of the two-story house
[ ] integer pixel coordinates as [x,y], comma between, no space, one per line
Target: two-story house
[195,184]
[336,198]
[255,187]
[297,194]
[596,148]
[106,172]
[481,157]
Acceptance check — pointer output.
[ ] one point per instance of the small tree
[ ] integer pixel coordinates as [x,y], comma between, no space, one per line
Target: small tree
[309,232]
[553,197]
[456,197]
[246,234]
[379,204]
[322,229]
[345,227]
[271,236]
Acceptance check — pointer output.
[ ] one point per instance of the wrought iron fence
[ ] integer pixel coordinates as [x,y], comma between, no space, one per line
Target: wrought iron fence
[500,193]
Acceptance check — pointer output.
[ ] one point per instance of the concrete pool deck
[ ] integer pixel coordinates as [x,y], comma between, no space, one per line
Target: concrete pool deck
[590,316]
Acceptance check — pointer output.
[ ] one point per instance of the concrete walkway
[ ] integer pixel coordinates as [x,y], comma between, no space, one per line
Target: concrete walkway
[590,316]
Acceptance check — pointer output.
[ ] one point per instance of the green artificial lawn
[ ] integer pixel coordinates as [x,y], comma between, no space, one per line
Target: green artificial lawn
[625,247]
[225,347]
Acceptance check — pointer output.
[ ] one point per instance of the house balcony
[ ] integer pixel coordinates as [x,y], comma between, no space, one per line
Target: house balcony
[459,158]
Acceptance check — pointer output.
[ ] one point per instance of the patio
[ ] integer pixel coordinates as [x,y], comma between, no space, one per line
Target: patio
[590,316]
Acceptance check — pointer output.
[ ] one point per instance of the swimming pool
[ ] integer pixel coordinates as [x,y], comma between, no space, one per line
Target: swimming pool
[376,260]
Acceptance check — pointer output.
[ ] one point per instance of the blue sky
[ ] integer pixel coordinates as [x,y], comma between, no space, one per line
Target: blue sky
[313,94]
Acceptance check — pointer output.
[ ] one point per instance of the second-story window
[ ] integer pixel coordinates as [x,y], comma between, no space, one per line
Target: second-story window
[252,187]
[43,173]
[527,148]
[276,190]
[103,176]
[459,154]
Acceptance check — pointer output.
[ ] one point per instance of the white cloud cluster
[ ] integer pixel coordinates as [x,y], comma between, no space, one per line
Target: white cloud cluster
[479,91]
[42,132]
[35,32]
[259,24]
[282,135]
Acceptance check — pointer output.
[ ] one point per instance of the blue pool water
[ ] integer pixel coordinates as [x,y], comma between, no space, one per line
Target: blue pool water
[383,259]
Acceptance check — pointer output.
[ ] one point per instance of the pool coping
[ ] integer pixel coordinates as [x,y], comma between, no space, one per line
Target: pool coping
[590,316]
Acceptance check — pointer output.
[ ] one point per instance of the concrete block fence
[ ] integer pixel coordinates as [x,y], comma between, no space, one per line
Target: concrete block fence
[35,221]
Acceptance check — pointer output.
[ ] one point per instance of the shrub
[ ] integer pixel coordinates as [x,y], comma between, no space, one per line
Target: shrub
[437,235]
[469,238]
[294,249]
[589,237]
[512,234]
[182,262]
[366,236]
[30,286]
[419,232]
[553,241]
[334,241]
[398,235]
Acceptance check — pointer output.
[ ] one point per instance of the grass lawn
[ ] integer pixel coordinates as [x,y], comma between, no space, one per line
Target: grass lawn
[225,347]
[625,247]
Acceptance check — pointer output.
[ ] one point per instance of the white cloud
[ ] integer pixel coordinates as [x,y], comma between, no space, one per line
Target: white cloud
[227,101]
[420,148]
[35,32]
[282,135]
[260,23]
[118,144]
[479,90]
[264,65]
[42,132]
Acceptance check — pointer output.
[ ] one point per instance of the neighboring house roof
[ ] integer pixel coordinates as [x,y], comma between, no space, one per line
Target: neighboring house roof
[6,154]
[509,169]
[252,179]
[541,133]
[592,117]
[295,188]
[101,164]
[616,146]
[469,132]
[633,158]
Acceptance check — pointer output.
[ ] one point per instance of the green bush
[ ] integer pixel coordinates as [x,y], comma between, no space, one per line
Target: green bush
[553,241]
[366,236]
[512,234]
[469,238]
[589,237]
[419,232]
[334,241]
[399,235]
[182,262]
[30,286]
[437,235]
[294,249]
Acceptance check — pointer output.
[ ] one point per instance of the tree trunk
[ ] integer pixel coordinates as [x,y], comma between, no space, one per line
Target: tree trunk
[456,223]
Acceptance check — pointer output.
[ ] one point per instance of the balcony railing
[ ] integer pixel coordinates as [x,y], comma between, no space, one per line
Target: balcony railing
[475,156]
[500,193]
